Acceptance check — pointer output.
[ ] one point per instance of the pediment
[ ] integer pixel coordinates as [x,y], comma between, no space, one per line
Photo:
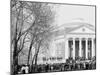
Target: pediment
[83,29]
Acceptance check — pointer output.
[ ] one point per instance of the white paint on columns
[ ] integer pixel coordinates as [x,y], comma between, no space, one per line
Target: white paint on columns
[73,48]
[86,52]
[66,49]
[80,48]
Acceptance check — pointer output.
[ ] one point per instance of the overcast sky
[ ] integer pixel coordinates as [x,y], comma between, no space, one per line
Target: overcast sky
[74,13]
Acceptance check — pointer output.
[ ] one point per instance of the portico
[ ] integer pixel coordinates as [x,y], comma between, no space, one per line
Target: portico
[81,47]
[80,43]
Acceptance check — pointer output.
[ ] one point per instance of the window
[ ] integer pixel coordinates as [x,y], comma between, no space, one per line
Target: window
[60,49]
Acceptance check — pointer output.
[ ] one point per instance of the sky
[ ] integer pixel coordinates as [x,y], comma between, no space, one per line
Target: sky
[74,13]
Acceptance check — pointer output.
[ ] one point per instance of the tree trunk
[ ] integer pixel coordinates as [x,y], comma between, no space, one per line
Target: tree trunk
[37,52]
[15,65]
[36,56]
[15,58]
[29,54]
[33,67]
[29,51]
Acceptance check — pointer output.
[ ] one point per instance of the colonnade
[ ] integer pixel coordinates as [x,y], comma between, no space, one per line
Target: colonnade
[80,47]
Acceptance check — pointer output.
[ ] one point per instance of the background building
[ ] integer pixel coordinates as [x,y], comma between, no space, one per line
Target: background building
[73,40]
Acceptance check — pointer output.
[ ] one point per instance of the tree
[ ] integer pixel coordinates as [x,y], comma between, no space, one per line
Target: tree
[43,19]
[21,23]
[29,21]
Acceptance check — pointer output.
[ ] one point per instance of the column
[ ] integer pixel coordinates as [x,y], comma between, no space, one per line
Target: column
[66,49]
[86,52]
[93,48]
[80,47]
[73,48]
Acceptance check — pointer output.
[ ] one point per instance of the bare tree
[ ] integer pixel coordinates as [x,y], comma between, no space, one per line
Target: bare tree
[29,19]
[44,17]
[21,23]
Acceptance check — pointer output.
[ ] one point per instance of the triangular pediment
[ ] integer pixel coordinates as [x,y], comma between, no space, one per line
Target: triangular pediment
[82,29]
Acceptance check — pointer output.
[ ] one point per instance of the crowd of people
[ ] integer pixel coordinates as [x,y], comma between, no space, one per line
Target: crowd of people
[64,67]
[70,65]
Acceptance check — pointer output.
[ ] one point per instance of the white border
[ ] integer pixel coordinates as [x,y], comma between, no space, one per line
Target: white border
[5,37]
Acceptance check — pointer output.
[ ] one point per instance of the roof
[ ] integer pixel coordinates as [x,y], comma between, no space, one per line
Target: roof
[60,30]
